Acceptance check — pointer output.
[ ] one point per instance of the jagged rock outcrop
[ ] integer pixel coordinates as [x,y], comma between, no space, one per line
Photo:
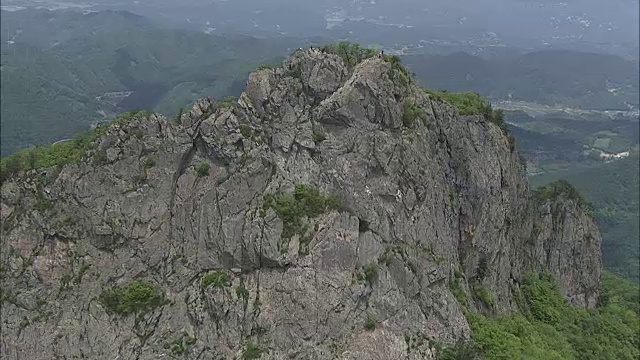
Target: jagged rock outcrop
[411,199]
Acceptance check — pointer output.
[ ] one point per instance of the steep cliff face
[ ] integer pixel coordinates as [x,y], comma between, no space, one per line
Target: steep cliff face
[331,213]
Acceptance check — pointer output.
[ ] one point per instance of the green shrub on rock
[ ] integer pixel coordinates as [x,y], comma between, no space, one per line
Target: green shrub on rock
[369,323]
[471,104]
[305,201]
[252,352]
[411,114]
[203,169]
[559,188]
[135,298]
[217,279]
[352,54]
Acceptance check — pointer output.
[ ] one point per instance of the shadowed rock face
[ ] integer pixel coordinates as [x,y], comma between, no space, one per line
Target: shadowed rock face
[424,204]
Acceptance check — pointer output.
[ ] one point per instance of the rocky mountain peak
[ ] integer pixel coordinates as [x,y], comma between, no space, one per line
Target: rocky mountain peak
[333,211]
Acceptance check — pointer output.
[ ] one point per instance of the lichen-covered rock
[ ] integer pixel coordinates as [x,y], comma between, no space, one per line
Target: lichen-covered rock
[311,219]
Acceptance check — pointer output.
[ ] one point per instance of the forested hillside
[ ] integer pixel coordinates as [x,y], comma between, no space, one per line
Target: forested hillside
[59,79]
[547,327]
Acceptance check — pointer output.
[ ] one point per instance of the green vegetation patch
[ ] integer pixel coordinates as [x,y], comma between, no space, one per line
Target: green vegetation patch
[180,345]
[550,328]
[418,341]
[62,153]
[368,273]
[295,72]
[400,75]
[620,293]
[227,102]
[470,103]
[455,286]
[135,298]
[203,169]
[411,113]
[252,351]
[305,201]
[482,294]
[369,323]
[149,163]
[385,257]
[352,54]
[245,130]
[318,133]
[218,279]
[559,188]
[463,350]
[242,292]
[467,103]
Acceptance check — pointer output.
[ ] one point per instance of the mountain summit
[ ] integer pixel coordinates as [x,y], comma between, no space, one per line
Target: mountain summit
[336,210]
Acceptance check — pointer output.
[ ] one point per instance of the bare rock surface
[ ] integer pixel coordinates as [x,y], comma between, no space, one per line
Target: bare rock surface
[422,203]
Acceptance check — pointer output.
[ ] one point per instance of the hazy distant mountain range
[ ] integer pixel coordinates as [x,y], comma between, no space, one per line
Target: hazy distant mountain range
[589,25]
[62,71]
